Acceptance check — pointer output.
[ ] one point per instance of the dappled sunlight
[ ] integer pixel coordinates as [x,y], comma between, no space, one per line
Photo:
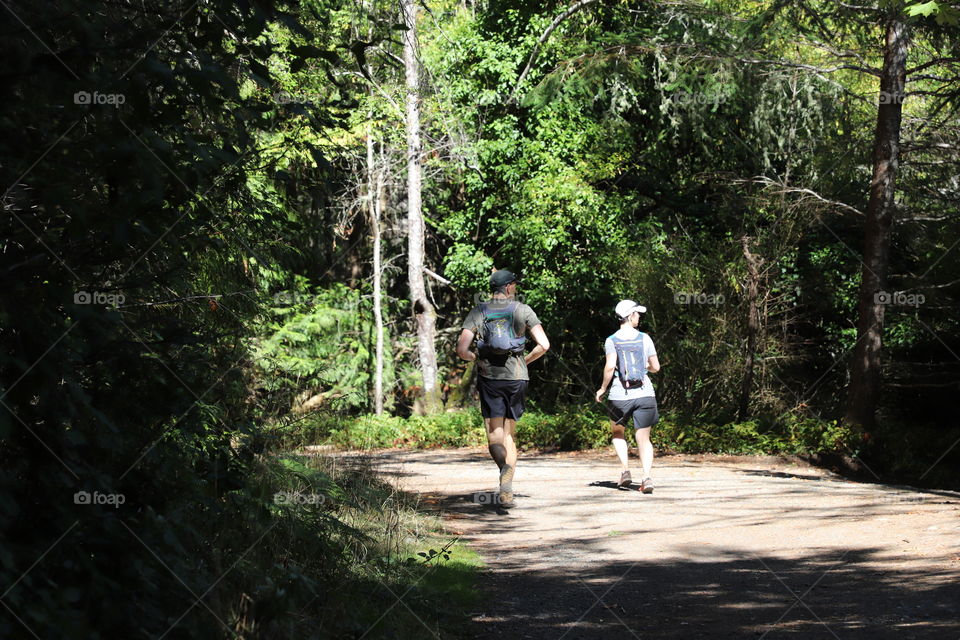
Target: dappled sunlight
[718,550]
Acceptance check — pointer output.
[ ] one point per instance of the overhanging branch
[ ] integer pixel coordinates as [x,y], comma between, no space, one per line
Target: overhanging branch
[543,38]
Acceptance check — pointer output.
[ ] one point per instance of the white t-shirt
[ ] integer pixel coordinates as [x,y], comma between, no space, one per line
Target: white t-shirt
[617,392]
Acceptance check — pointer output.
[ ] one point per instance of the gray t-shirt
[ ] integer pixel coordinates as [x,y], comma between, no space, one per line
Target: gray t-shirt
[617,392]
[506,366]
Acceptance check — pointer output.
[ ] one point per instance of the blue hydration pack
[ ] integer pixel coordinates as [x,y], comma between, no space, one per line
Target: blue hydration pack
[497,335]
[631,361]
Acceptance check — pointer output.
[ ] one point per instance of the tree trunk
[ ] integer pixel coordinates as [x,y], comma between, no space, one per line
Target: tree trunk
[375,193]
[753,327]
[865,369]
[460,394]
[423,309]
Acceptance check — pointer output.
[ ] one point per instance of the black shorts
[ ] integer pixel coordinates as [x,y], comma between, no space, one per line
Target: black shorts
[502,398]
[642,410]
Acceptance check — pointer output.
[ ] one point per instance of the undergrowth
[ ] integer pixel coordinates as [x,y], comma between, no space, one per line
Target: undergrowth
[344,554]
[571,428]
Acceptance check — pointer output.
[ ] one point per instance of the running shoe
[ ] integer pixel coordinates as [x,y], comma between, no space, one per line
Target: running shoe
[625,479]
[647,485]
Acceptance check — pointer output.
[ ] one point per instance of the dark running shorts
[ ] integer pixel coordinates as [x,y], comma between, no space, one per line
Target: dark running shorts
[642,410]
[502,398]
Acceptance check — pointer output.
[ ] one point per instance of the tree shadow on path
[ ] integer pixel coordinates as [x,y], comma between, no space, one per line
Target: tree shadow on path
[717,594]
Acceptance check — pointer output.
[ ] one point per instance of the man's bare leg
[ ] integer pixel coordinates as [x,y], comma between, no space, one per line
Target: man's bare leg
[510,440]
[503,449]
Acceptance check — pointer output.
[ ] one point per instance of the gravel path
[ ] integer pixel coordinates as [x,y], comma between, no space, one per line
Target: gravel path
[724,548]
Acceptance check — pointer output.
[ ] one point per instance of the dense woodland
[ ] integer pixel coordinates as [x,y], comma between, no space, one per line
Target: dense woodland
[232,227]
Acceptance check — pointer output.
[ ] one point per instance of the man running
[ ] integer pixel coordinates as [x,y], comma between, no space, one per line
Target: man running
[631,355]
[501,326]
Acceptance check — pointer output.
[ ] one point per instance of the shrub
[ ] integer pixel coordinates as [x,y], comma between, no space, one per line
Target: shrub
[453,429]
[792,436]
[572,428]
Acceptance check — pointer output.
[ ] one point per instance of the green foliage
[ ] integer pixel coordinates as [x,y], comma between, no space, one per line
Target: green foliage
[228,164]
[317,348]
[792,436]
[576,428]
[639,151]
[944,13]
[168,203]
[570,429]
[338,536]
[455,429]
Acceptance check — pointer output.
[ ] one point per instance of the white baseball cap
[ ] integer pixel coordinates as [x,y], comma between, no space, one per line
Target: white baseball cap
[625,307]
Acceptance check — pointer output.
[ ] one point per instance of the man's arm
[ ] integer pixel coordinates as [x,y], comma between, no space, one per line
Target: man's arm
[463,346]
[608,368]
[543,345]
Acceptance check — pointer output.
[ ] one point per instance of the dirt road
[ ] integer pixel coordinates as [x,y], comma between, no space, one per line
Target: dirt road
[723,548]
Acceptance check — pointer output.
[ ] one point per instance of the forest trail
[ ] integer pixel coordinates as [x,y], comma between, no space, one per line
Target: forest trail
[725,547]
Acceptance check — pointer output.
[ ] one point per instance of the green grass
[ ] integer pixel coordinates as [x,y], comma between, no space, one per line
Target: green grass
[456,578]
[332,548]
[429,596]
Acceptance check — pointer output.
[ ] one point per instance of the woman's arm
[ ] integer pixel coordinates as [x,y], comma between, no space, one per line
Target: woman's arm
[608,368]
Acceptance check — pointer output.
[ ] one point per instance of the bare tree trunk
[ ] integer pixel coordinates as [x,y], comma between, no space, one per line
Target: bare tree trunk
[865,369]
[423,309]
[753,326]
[375,194]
